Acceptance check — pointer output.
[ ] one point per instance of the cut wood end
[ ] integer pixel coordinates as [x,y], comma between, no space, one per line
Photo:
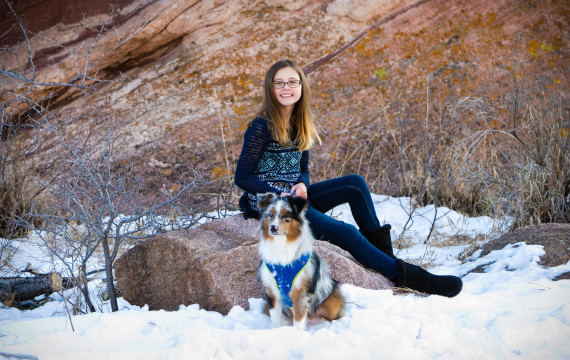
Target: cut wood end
[56,281]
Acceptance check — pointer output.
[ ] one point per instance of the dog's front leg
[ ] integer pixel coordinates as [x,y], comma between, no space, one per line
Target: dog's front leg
[300,321]
[275,308]
[276,314]
[300,308]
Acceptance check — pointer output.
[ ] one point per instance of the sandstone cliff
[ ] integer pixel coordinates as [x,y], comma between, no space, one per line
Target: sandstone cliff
[185,75]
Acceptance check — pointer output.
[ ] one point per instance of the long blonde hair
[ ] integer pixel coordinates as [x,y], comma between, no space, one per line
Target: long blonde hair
[305,131]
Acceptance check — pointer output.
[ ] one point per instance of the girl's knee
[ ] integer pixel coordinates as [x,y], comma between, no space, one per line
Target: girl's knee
[357,180]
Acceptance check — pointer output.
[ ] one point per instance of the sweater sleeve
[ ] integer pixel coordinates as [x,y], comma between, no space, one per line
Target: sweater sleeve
[304,177]
[256,140]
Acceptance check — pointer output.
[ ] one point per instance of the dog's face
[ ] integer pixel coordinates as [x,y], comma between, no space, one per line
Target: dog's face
[281,216]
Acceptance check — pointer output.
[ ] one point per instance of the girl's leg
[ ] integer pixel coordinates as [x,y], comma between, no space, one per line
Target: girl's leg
[351,189]
[348,238]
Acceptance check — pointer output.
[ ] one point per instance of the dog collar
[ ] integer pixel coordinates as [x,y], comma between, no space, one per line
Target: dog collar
[285,275]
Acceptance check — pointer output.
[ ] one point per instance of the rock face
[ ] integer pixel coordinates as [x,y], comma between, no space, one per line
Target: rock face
[215,266]
[363,10]
[184,76]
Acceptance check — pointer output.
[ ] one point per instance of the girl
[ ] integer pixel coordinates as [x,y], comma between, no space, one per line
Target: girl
[275,158]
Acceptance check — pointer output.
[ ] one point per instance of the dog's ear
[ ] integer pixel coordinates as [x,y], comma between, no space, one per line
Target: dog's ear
[297,203]
[265,199]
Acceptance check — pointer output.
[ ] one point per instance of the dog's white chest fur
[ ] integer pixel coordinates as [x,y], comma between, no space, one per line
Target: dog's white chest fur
[280,251]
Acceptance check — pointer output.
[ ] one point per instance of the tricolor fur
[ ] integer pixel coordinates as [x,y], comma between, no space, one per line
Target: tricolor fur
[285,238]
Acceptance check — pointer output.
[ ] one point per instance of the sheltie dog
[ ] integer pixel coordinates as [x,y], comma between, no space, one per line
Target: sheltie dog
[297,281]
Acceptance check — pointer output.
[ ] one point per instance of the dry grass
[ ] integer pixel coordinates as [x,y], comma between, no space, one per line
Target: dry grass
[21,190]
[523,172]
[516,165]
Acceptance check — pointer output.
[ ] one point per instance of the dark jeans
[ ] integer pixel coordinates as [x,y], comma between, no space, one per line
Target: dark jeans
[351,189]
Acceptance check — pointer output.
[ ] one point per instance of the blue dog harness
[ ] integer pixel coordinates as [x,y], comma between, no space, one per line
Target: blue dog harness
[285,275]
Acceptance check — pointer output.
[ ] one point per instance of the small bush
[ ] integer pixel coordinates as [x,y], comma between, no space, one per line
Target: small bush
[21,192]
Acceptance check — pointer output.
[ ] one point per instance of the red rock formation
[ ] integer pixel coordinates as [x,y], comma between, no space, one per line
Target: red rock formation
[194,68]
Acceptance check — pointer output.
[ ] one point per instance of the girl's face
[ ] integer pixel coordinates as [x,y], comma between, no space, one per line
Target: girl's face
[287,95]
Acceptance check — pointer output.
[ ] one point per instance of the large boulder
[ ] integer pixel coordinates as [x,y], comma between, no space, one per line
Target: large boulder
[214,266]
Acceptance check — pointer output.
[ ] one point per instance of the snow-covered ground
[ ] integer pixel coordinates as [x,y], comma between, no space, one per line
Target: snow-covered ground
[512,310]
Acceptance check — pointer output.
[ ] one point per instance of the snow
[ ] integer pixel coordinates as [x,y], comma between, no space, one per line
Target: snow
[511,310]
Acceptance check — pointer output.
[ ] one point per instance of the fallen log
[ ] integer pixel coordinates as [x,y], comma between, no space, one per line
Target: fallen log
[8,356]
[27,288]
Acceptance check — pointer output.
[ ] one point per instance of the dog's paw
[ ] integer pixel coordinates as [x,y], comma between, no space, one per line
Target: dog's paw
[300,325]
[276,317]
[276,323]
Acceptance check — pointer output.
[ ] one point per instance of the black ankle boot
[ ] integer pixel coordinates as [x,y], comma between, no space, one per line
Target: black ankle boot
[381,240]
[416,278]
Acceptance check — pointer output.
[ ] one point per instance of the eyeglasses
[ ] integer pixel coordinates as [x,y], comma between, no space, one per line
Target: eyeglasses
[291,83]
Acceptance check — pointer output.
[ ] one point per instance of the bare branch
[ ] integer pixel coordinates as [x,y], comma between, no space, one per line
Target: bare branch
[25,33]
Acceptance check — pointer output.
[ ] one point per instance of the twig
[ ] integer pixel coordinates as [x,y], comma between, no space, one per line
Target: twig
[25,33]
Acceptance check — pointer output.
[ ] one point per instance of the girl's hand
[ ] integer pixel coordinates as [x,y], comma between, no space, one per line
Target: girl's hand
[299,190]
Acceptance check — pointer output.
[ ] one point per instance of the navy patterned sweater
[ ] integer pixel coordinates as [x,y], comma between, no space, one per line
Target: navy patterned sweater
[265,166]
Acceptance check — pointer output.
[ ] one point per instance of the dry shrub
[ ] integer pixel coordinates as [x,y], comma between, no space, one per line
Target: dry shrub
[21,190]
[544,175]
[528,174]
[507,156]
[523,172]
